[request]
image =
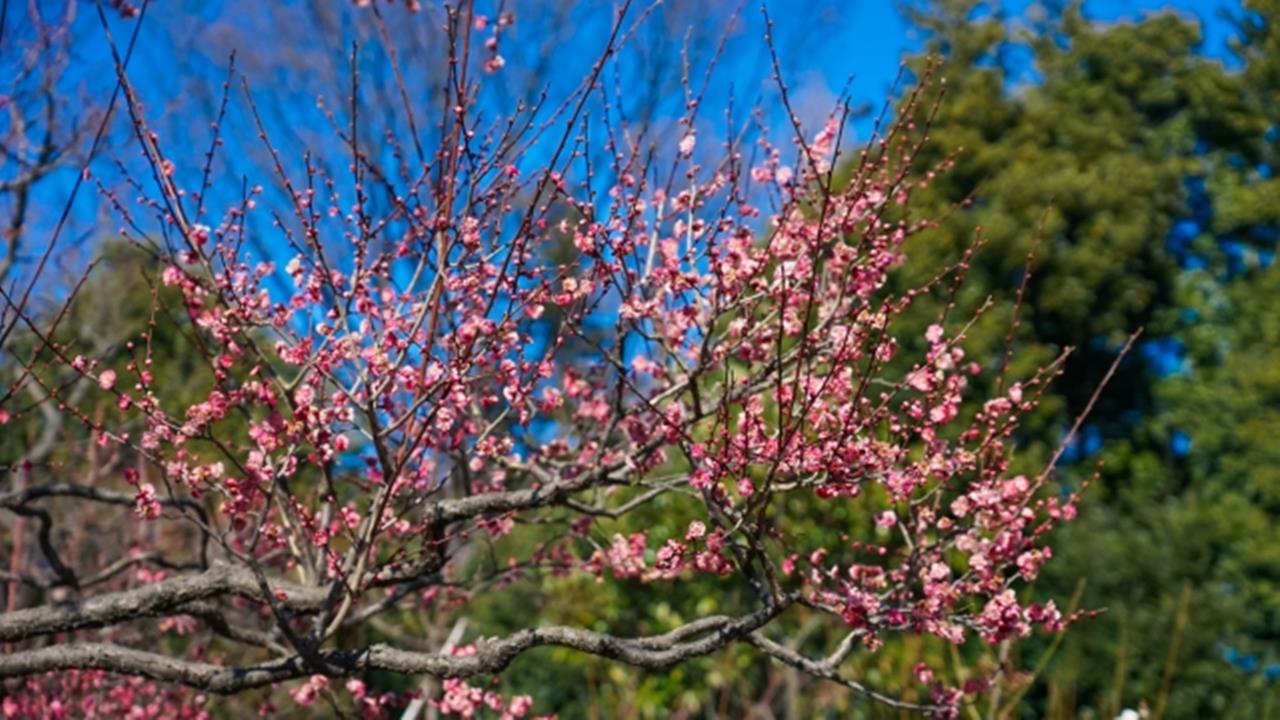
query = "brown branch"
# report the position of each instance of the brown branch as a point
(156, 600)
(491, 656)
(825, 671)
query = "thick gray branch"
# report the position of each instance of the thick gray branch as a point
(155, 600)
(697, 638)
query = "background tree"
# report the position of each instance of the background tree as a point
(1148, 162)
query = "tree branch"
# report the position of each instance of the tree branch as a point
(153, 601)
(491, 656)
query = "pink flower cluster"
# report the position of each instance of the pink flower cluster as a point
(98, 695)
(466, 701)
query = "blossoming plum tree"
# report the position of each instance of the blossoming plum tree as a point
(404, 382)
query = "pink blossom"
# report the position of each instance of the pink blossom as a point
(687, 143)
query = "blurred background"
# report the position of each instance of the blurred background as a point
(1138, 139)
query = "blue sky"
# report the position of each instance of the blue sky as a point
(825, 46)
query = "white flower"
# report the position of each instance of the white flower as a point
(687, 143)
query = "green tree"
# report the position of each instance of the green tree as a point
(1150, 165)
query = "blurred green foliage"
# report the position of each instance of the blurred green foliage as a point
(1147, 166)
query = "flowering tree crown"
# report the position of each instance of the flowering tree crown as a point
(515, 342)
